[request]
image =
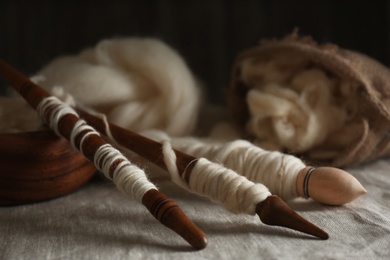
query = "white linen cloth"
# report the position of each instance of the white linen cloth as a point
(98, 222)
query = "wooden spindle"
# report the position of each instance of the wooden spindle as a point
(272, 211)
(162, 208)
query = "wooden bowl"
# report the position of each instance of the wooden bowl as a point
(38, 166)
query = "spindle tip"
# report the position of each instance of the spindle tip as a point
(329, 185)
(169, 214)
(274, 211)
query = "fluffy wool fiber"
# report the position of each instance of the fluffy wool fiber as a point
(139, 83)
(298, 106)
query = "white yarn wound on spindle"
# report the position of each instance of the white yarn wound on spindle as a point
(81, 127)
(235, 192)
(129, 179)
(276, 170)
(57, 110)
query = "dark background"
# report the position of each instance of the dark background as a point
(207, 33)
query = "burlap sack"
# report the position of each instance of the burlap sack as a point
(371, 81)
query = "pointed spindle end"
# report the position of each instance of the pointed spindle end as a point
(169, 214)
(274, 211)
(330, 186)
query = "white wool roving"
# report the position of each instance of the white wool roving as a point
(139, 83)
(298, 120)
(298, 106)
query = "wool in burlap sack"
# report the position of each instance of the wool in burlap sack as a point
(362, 135)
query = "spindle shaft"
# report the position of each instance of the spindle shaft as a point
(272, 211)
(162, 208)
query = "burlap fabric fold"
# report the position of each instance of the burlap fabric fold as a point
(371, 91)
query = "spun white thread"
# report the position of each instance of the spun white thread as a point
(235, 192)
(129, 179)
(170, 162)
(81, 127)
(57, 110)
(276, 170)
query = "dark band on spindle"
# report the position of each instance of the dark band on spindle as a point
(306, 183)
